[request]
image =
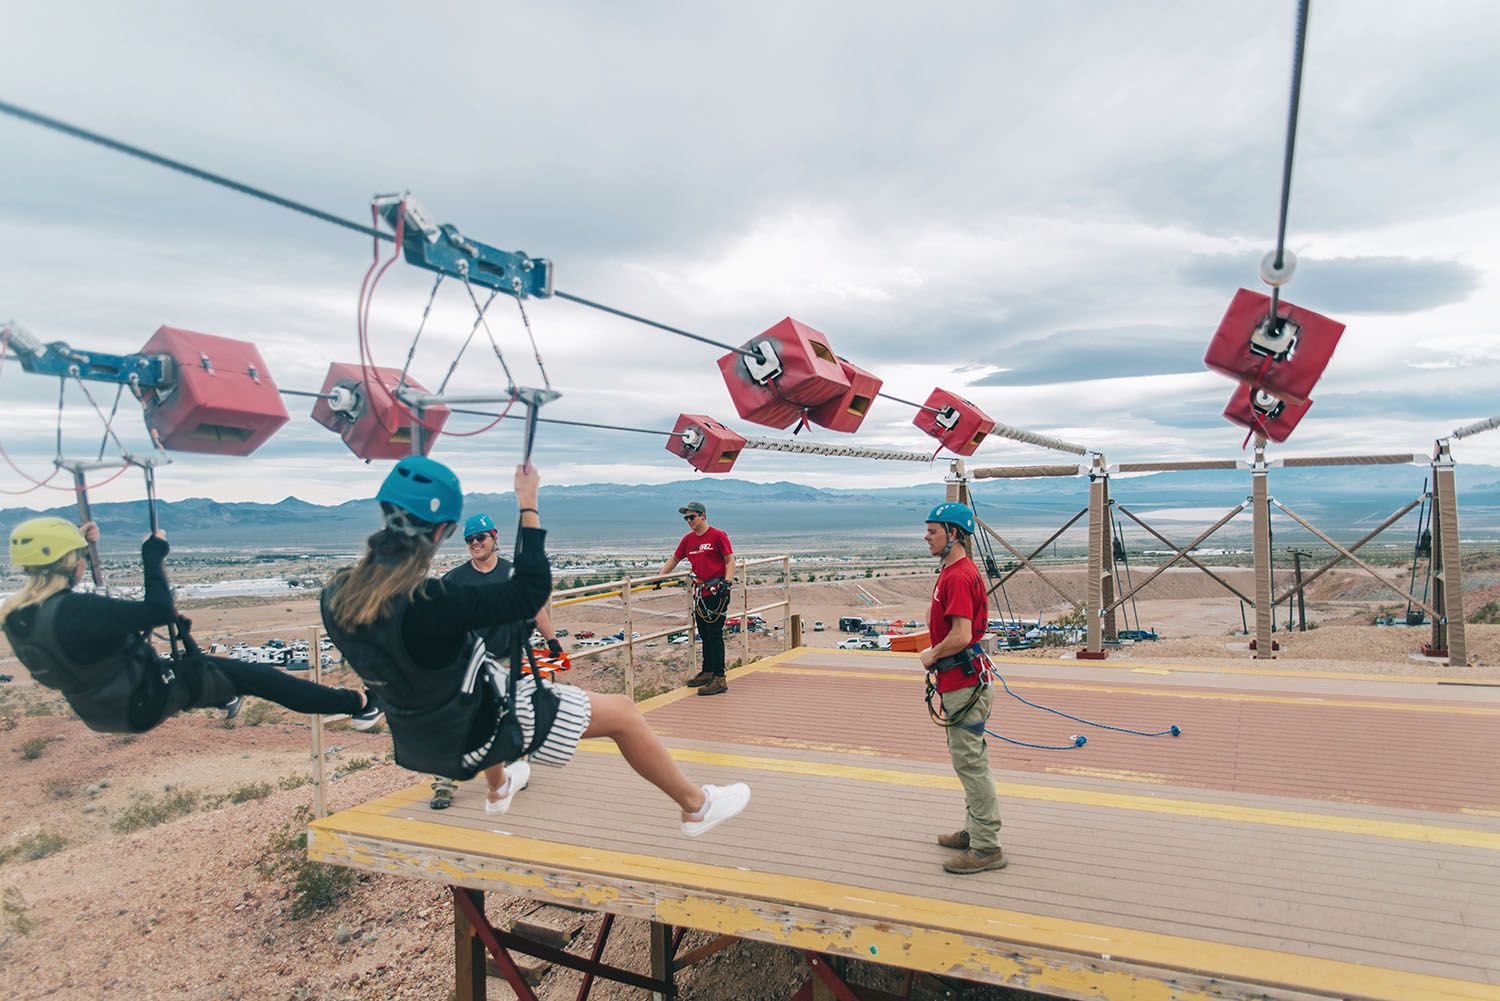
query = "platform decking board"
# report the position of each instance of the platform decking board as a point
(1155, 893)
(1204, 869)
(1424, 759)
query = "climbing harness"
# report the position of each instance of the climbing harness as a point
(711, 599)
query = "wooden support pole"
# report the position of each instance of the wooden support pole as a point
(1447, 569)
(661, 956)
(629, 643)
(1107, 582)
(469, 983)
(786, 610)
(1261, 530)
(1093, 601)
(745, 614)
(796, 631)
(315, 672)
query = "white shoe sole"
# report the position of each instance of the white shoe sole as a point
(519, 770)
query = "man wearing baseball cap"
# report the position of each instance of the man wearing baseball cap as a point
(708, 551)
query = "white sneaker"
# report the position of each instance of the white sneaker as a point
(723, 803)
(517, 777)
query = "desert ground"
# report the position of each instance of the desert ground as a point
(168, 865)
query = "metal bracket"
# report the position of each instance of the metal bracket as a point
(57, 358)
(1266, 405)
(444, 249)
(1275, 337)
(947, 418)
(764, 365)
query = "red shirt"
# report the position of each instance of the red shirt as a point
(705, 552)
(959, 592)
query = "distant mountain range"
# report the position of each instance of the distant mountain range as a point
(1342, 501)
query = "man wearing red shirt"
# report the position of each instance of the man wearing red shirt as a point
(712, 558)
(956, 621)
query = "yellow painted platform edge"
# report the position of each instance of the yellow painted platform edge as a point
(934, 946)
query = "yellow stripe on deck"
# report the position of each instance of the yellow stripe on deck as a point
(901, 929)
(1069, 686)
(1457, 837)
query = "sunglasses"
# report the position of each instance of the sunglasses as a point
(690, 517)
(469, 540)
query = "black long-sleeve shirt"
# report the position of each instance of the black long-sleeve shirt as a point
(92, 626)
(440, 618)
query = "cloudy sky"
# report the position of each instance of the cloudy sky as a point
(1046, 207)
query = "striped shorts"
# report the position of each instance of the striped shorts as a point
(573, 714)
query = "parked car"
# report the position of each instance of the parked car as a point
(852, 643)
(274, 643)
(677, 639)
(818, 626)
(585, 634)
(561, 632)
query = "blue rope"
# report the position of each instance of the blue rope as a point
(1174, 729)
(1077, 742)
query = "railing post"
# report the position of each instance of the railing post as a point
(786, 609)
(745, 615)
(629, 643)
(315, 671)
(1265, 645)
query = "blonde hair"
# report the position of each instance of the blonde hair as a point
(42, 583)
(394, 564)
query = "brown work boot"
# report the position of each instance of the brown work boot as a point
(700, 679)
(716, 685)
(974, 860)
(960, 841)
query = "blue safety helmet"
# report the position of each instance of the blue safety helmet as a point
(955, 514)
(426, 489)
(478, 523)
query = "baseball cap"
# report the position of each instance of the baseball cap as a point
(694, 506)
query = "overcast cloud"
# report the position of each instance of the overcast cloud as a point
(1045, 207)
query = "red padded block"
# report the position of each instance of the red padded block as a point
(807, 375)
(380, 427)
(1291, 378)
(959, 424)
(713, 450)
(1277, 417)
(223, 400)
(846, 412)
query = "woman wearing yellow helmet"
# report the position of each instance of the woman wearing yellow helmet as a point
(94, 649)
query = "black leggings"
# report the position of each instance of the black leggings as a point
(275, 685)
(711, 631)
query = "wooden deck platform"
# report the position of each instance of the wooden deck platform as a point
(1308, 836)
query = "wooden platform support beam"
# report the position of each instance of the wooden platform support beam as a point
(1099, 588)
(1447, 568)
(1261, 533)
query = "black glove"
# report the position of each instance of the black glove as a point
(554, 647)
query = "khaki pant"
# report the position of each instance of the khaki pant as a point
(971, 763)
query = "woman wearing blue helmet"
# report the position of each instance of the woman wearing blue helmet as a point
(452, 709)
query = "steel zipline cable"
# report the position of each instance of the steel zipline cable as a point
(1299, 49)
(57, 125)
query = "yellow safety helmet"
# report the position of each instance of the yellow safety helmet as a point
(40, 542)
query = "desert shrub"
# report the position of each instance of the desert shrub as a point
(315, 885)
(1486, 614)
(249, 791)
(287, 782)
(61, 788)
(14, 907)
(32, 749)
(358, 764)
(149, 811)
(32, 845)
(260, 711)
